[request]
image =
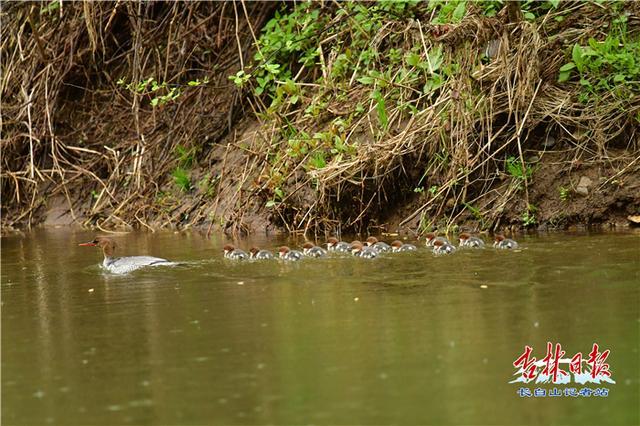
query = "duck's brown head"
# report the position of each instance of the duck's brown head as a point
(332, 241)
(396, 244)
(438, 243)
(228, 248)
(499, 238)
(308, 245)
(371, 241)
(253, 251)
(107, 245)
(430, 236)
(282, 251)
(464, 236)
(356, 247)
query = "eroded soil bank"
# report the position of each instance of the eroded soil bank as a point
(339, 118)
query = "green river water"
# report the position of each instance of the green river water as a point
(403, 339)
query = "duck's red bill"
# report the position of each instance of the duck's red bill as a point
(87, 244)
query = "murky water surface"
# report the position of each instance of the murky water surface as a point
(401, 339)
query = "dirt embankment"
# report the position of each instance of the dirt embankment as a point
(121, 115)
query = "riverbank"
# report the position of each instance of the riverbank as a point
(337, 118)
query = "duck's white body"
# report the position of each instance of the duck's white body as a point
(124, 265)
(505, 244)
(367, 253)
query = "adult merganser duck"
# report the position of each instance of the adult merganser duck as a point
(230, 252)
(432, 238)
(311, 250)
(357, 249)
(441, 247)
(378, 246)
(257, 254)
(467, 240)
(398, 246)
(287, 254)
(504, 243)
(123, 265)
(334, 245)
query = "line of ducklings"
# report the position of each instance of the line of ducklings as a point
(370, 249)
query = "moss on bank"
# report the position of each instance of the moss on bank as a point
(346, 116)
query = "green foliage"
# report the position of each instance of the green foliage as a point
(317, 161)
(380, 108)
(451, 11)
(181, 179)
(278, 196)
(240, 78)
(289, 43)
(158, 93)
(50, 7)
(565, 193)
(286, 42)
(534, 9)
(515, 169)
(608, 66)
(186, 156)
(490, 7)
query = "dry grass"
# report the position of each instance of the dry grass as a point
(69, 128)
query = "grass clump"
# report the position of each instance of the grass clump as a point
(181, 179)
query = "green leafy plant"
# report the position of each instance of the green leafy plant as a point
(490, 7)
(181, 179)
(52, 6)
(158, 93)
(186, 156)
(565, 193)
(278, 196)
(317, 161)
(516, 170)
(380, 108)
(608, 66)
(451, 11)
(240, 78)
(286, 42)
